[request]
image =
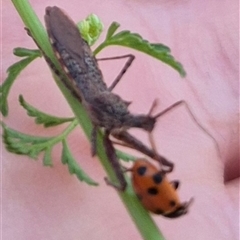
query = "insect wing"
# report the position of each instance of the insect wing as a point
(74, 54)
(65, 35)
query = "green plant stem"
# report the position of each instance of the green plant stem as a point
(140, 216)
(99, 48)
(64, 134)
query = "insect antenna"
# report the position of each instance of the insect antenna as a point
(154, 104)
(182, 102)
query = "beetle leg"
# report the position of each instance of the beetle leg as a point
(175, 184)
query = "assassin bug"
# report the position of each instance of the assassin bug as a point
(105, 108)
(110, 151)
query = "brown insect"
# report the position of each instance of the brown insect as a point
(105, 108)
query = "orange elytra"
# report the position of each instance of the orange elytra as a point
(156, 193)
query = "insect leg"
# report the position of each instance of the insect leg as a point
(94, 141)
(175, 184)
(111, 154)
(125, 68)
(136, 144)
(182, 102)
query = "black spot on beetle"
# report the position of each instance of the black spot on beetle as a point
(157, 178)
(152, 191)
(158, 211)
(141, 170)
(172, 203)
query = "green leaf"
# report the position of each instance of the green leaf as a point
(25, 52)
(20, 143)
(112, 29)
(135, 41)
(13, 72)
(41, 117)
(47, 159)
(161, 47)
(73, 166)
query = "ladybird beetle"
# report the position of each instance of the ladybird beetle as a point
(155, 192)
